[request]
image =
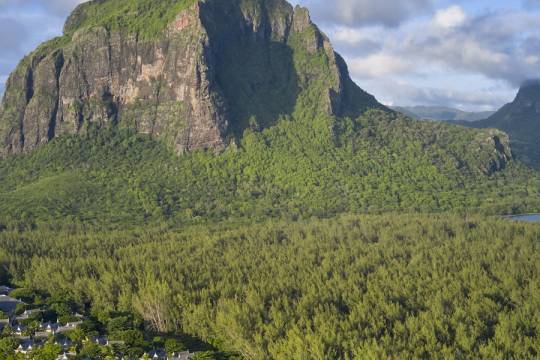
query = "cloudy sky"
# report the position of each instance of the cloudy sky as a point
(470, 54)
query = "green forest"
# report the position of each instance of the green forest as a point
(351, 287)
(380, 162)
(266, 250)
(317, 224)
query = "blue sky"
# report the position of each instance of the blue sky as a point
(467, 54)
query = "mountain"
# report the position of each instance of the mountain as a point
(441, 113)
(204, 176)
(262, 110)
(193, 73)
(521, 120)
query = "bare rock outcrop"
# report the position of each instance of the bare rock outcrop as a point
(212, 68)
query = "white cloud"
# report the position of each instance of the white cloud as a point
(473, 61)
(378, 65)
(451, 17)
(366, 12)
(532, 60)
(410, 92)
(349, 35)
(500, 46)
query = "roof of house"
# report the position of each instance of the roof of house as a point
(184, 355)
(8, 304)
(100, 340)
(27, 345)
(65, 342)
(157, 354)
(41, 334)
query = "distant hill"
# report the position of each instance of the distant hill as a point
(521, 120)
(442, 113)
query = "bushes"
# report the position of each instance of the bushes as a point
(146, 18)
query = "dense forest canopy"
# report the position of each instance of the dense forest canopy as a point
(352, 287)
(380, 162)
(253, 206)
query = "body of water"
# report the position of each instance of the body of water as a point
(527, 218)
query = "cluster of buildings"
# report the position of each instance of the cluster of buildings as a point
(35, 338)
(32, 339)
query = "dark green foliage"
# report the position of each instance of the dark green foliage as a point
(260, 82)
(376, 163)
(7, 346)
(50, 351)
(173, 346)
(143, 17)
(392, 286)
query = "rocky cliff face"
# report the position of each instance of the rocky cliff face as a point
(210, 71)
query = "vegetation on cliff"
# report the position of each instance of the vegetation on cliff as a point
(521, 120)
(379, 162)
(148, 19)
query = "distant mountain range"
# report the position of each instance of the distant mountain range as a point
(520, 119)
(441, 113)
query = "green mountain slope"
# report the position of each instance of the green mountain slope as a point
(201, 165)
(521, 120)
(297, 168)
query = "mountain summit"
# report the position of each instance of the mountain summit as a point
(192, 73)
(521, 120)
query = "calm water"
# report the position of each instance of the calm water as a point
(527, 218)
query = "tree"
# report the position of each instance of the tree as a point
(8, 346)
(154, 304)
(49, 351)
(173, 345)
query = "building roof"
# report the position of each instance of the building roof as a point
(8, 304)
(41, 334)
(184, 355)
(65, 343)
(157, 354)
(100, 340)
(19, 328)
(27, 345)
(5, 290)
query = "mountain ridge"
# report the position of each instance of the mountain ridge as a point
(176, 81)
(442, 113)
(521, 120)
